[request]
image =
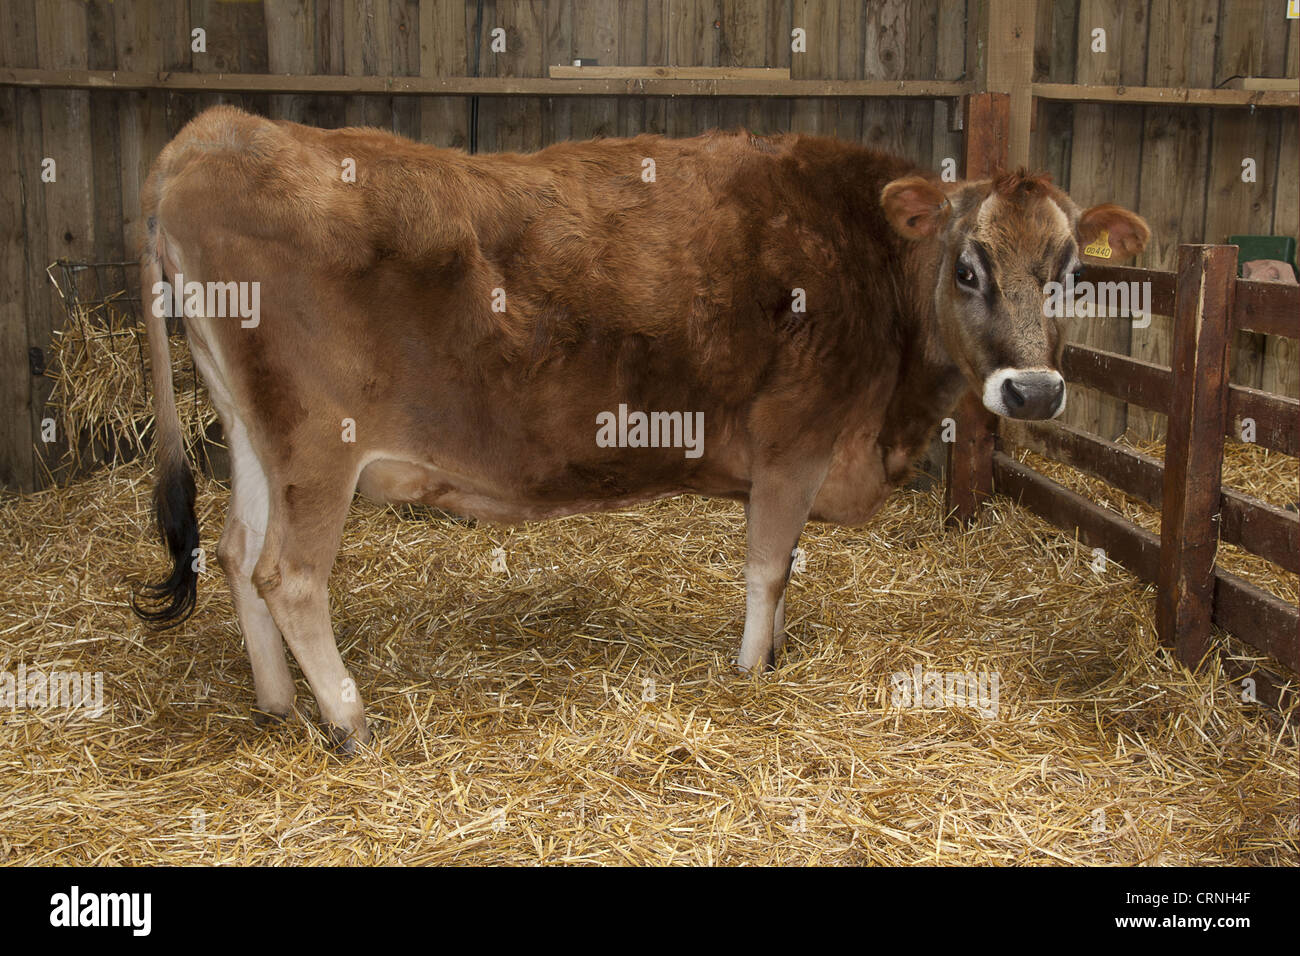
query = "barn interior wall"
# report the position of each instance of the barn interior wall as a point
(1179, 167)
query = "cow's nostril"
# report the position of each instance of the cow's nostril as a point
(1012, 395)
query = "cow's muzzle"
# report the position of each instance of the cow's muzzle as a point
(1025, 393)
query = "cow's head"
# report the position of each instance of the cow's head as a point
(1000, 242)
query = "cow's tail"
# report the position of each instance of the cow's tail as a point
(170, 601)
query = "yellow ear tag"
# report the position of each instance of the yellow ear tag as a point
(1099, 248)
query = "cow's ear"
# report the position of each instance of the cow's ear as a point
(1111, 232)
(915, 206)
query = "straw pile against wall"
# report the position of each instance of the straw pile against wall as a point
(515, 722)
(99, 366)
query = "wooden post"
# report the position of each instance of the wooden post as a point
(970, 457)
(1198, 409)
(1009, 68)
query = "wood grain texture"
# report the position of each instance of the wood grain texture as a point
(1198, 410)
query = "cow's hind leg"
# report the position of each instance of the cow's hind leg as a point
(306, 522)
(779, 503)
(778, 626)
(238, 551)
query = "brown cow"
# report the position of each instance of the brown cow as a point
(515, 337)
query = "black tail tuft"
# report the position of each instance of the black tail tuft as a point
(171, 602)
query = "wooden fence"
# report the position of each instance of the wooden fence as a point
(1209, 305)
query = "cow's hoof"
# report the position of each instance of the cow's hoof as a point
(767, 666)
(347, 743)
(264, 719)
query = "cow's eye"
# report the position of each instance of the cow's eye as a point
(1077, 274)
(966, 275)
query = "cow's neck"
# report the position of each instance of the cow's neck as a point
(929, 382)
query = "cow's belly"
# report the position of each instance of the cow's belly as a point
(394, 481)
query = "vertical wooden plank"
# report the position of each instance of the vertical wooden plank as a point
(146, 41)
(986, 122)
(1175, 162)
(631, 52)
(61, 43)
(236, 43)
(1011, 67)
(780, 15)
(1292, 48)
(850, 64)
(26, 313)
(1189, 529)
(1054, 62)
(404, 37)
(595, 36)
(444, 120)
(884, 122)
(1105, 164)
(106, 158)
(290, 48)
(694, 40)
(514, 123)
(1281, 372)
(819, 21)
(950, 64)
(368, 51)
(658, 26)
(743, 43)
(480, 19)
(557, 113)
(17, 466)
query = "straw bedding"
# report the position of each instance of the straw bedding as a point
(515, 722)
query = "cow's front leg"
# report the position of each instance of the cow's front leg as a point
(777, 511)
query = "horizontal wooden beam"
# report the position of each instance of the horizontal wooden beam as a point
(1123, 541)
(1262, 620)
(476, 85)
(1285, 83)
(1128, 379)
(1270, 308)
(1165, 95)
(669, 73)
(1162, 283)
(1258, 618)
(1260, 528)
(1276, 417)
(1132, 472)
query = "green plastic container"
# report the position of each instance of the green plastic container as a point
(1263, 247)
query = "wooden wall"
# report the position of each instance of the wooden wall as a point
(1175, 165)
(104, 142)
(1179, 167)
